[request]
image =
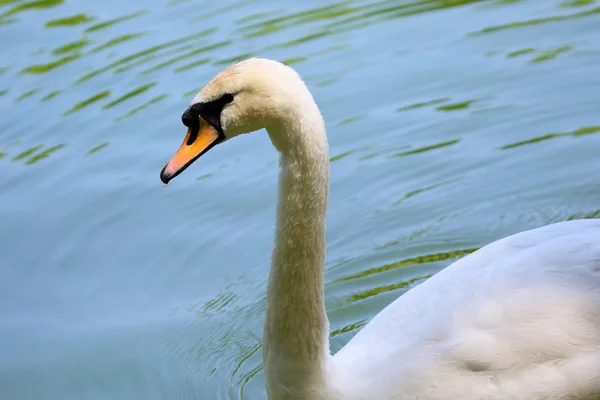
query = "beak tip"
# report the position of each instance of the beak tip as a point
(165, 177)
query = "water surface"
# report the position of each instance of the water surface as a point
(452, 123)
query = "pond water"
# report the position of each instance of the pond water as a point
(452, 123)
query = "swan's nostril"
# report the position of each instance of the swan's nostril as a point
(193, 135)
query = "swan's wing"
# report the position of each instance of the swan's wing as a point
(522, 312)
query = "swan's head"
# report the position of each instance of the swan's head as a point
(245, 97)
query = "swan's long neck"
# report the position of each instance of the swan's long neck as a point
(296, 340)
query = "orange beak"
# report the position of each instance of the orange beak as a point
(193, 146)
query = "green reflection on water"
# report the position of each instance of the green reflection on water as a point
(534, 140)
(45, 154)
(245, 356)
(352, 119)
(51, 95)
(348, 328)
(426, 148)
(27, 152)
(410, 261)
(214, 305)
(577, 3)
(590, 215)
(247, 377)
(70, 21)
(87, 102)
(550, 54)
(341, 155)
(217, 304)
(521, 52)
(294, 60)
(538, 21)
(3, 92)
(421, 190)
(27, 94)
(31, 5)
(347, 153)
(69, 47)
(578, 132)
(386, 288)
(112, 22)
(424, 104)
(43, 68)
(130, 94)
(586, 130)
(97, 148)
(455, 106)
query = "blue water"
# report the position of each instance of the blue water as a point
(452, 123)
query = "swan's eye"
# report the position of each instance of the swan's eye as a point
(227, 98)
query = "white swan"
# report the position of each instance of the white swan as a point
(517, 319)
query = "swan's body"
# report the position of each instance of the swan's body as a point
(517, 319)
